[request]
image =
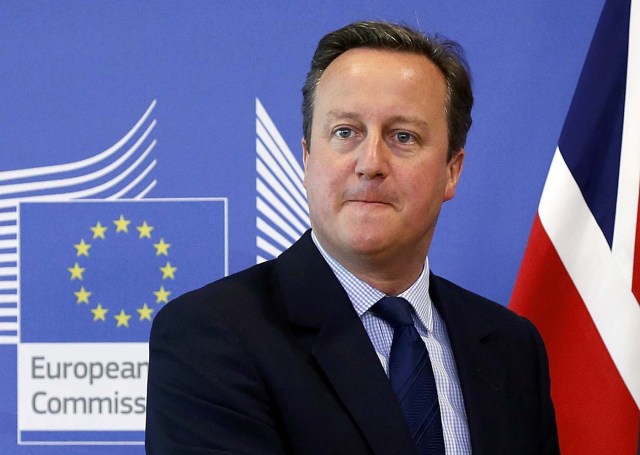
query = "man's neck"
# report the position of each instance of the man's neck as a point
(391, 274)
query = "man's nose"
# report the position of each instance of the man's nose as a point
(373, 154)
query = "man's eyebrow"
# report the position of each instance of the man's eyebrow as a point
(417, 121)
(335, 114)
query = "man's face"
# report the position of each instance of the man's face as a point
(376, 170)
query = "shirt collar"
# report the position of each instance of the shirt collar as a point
(363, 296)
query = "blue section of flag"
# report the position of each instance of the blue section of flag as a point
(124, 272)
(592, 134)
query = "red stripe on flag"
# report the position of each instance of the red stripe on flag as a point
(594, 409)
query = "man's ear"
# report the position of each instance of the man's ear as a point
(305, 157)
(454, 169)
(305, 152)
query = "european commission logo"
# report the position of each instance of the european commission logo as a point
(86, 261)
(93, 274)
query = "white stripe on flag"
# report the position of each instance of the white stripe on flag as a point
(585, 254)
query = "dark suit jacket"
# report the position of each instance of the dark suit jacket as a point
(274, 359)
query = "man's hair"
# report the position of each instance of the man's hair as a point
(445, 54)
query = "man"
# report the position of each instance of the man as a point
(300, 354)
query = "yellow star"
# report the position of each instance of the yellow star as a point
(98, 230)
(162, 295)
(122, 225)
(82, 295)
(145, 230)
(82, 248)
(76, 271)
(145, 312)
(99, 313)
(168, 271)
(123, 319)
(162, 248)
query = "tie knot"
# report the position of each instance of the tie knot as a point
(394, 310)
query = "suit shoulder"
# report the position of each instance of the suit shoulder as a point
(450, 293)
(472, 315)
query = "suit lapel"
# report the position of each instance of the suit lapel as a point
(478, 364)
(314, 298)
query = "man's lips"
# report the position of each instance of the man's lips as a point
(369, 198)
(368, 202)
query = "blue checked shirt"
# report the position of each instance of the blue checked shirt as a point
(434, 333)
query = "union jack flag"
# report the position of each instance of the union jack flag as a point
(580, 277)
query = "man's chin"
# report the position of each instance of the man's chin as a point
(368, 244)
(360, 241)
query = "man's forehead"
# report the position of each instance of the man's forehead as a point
(390, 55)
(365, 78)
(361, 64)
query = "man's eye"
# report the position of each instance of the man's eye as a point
(405, 137)
(343, 133)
